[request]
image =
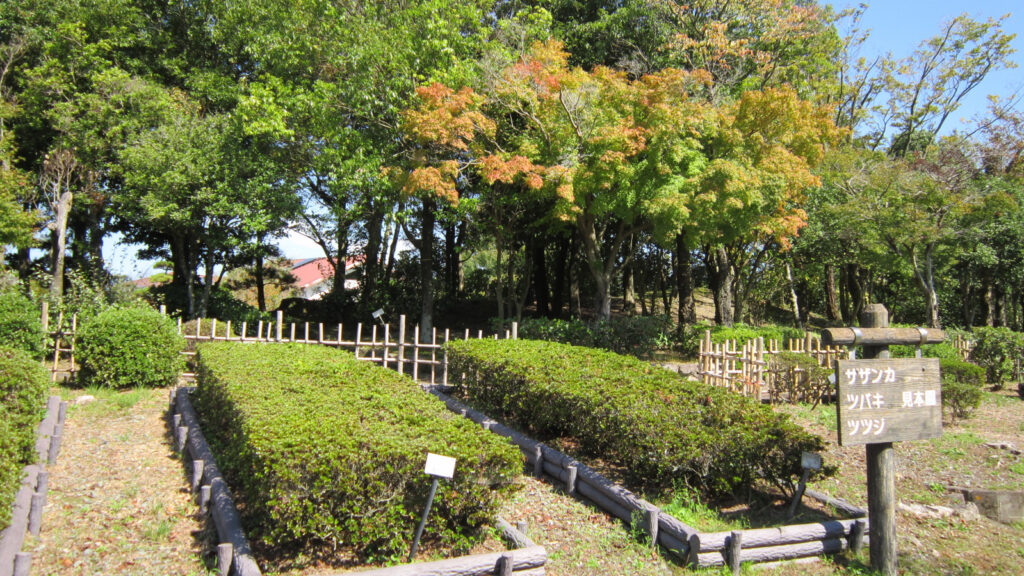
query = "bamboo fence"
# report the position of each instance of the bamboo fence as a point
(425, 359)
(749, 370)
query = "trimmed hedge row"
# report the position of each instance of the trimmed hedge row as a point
(662, 429)
(23, 387)
(326, 451)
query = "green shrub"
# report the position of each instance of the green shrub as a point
(324, 449)
(691, 336)
(942, 351)
(639, 336)
(23, 386)
(999, 351)
(125, 347)
(661, 429)
(10, 465)
(20, 324)
(961, 386)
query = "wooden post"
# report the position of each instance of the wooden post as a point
(197, 474)
(305, 339)
(225, 552)
(734, 545)
(881, 469)
(320, 339)
(35, 514)
(651, 522)
(515, 330)
(857, 536)
(213, 330)
(259, 331)
(291, 335)
(503, 567)
(227, 332)
(359, 334)
(45, 318)
(401, 345)
(538, 461)
(245, 328)
(415, 352)
(387, 340)
(280, 324)
(444, 371)
(22, 564)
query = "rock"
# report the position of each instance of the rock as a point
(969, 512)
(925, 510)
(1000, 505)
(84, 399)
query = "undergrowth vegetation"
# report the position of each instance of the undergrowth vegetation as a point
(662, 430)
(327, 452)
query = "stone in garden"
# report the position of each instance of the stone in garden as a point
(84, 399)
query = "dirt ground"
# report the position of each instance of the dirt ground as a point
(118, 501)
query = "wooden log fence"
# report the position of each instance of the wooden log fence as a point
(749, 370)
(235, 556)
(699, 549)
(30, 500)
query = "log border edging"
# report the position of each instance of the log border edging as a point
(30, 500)
(213, 494)
(700, 549)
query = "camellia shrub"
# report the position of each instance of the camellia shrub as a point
(999, 351)
(691, 336)
(638, 336)
(126, 347)
(661, 429)
(20, 323)
(961, 386)
(326, 450)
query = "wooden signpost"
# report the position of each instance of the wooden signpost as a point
(880, 401)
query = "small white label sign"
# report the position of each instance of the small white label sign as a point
(810, 461)
(440, 466)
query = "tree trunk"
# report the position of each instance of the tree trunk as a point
(721, 278)
(427, 219)
(855, 285)
(540, 279)
(628, 294)
(261, 297)
(795, 301)
(832, 312)
(371, 258)
(61, 210)
(559, 283)
(684, 281)
(451, 259)
(389, 269)
(204, 304)
(499, 276)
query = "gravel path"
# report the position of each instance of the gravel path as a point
(118, 501)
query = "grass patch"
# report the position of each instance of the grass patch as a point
(955, 445)
(687, 506)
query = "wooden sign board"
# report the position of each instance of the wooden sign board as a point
(889, 400)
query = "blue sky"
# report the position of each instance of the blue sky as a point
(897, 26)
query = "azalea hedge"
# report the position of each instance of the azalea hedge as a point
(23, 387)
(325, 451)
(663, 430)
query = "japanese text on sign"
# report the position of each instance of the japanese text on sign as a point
(887, 400)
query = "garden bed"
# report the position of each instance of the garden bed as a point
(387, 425)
